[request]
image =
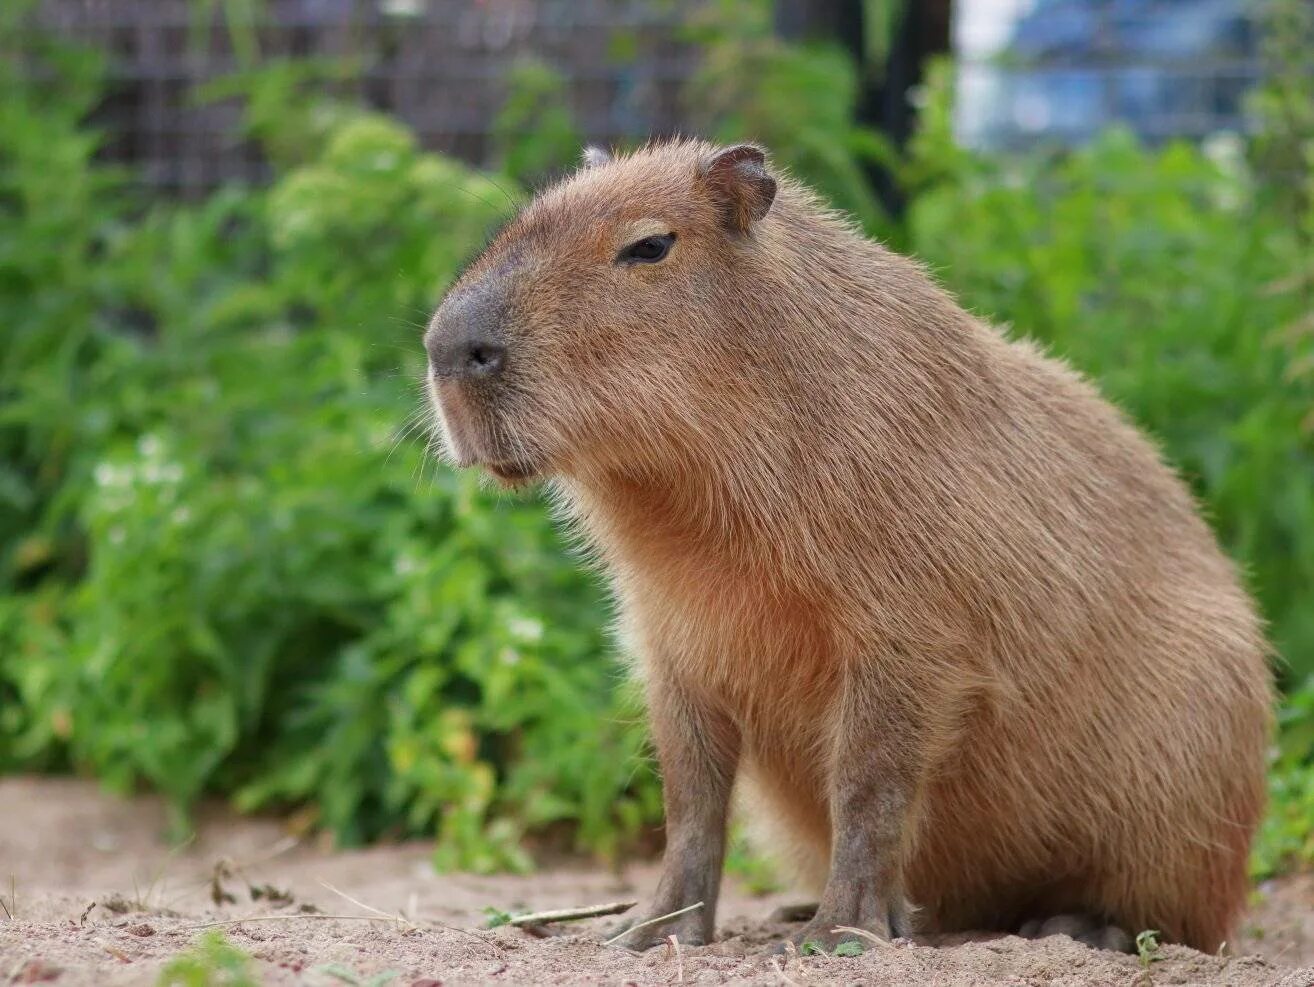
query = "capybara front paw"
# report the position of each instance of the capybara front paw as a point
(691, 929)
(825, 938)
(825, 932)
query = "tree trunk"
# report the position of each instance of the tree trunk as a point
(921, 31)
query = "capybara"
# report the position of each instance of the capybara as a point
(943, 612)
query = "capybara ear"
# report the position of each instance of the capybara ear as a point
(738, 179)
(594, 157)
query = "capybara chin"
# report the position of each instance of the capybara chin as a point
(942, 610)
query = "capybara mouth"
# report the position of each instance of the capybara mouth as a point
(474, 439)
(512, 472)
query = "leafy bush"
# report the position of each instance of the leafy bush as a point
(224, 570)
(1286, 839)
(535, 134)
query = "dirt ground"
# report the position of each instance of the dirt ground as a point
(64, 845)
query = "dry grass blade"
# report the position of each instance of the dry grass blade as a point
(784, 979)
(477, 936)
(572, 914)
(390, 916)
(674, 941)
(652, 921)
(238, 867)
(863, 934)
(310, 916)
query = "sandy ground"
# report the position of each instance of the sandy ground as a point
(65, 846)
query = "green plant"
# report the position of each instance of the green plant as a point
(1283, 152)
(1147, 953)
(753, 870)
(849, 947)
(1286, 838)
(797, 99)
(223, 568)
(534, 133)
(289, 106)
(212, 961)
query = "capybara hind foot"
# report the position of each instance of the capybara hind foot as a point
(1083, 928)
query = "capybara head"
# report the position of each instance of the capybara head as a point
(599, 323)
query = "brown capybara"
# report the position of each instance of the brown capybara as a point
(945, 612)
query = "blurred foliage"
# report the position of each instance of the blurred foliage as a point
(1283, 152)
(534, 134)
(797, 100)
(267, 90)
(224, 566)
(1286, 839)
(223, 570)
(1283, 156)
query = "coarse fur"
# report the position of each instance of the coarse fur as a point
(895, 571)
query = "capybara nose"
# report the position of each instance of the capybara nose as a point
(465, 338)
(473, 359)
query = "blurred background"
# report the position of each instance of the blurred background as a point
(228, 564)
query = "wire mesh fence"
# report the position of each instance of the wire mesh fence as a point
(439, 65)
(1028, 71)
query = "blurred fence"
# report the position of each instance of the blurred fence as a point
(1028, 70)
(439, 65)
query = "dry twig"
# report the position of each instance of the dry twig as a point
(572, 914)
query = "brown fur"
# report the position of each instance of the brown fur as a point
(943, 605)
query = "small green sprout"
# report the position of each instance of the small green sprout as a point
(212, 961)
(1147, 947)
(850, 947)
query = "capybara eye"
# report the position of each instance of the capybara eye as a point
(649, 250)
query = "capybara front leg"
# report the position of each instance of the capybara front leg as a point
(698, 749)
(875, 768)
